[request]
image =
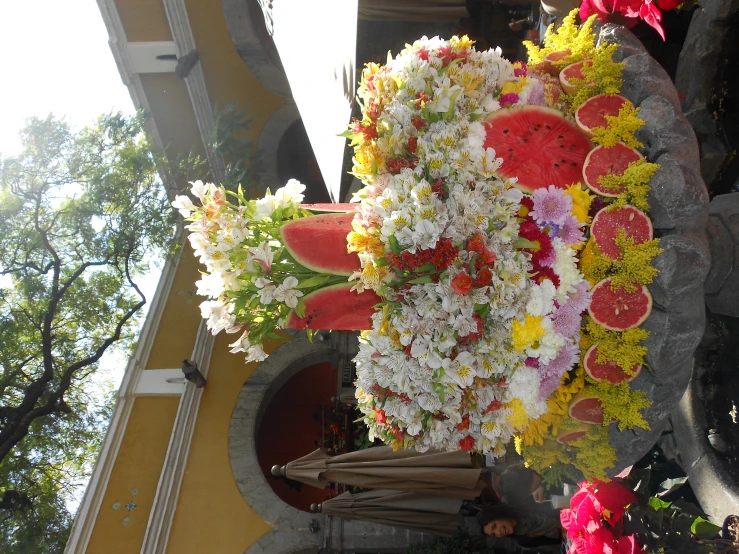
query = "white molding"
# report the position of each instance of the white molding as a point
(84, 521)
(179, 23)
(144, 56)
(160, 382)
(168, 490)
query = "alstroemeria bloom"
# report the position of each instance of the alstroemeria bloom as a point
(263, 255)
(286, 292)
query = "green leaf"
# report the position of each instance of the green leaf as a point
(421, 280)
(682, 524)
(704, 529)
(394, 244)
(426, 268)
(315, 281)
(657, 503)
(521, 242)
(688, 507)
(381, 262)
(666, 487)
(300, 308)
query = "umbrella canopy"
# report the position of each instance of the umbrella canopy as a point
(380, 467)
(427, 513)
(317, 45)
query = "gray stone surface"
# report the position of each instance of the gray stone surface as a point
(697, 68)
(683, 266)
(674, 334)
(716, 491)
(666, 130)
(723, 280)
(628, 44)
(678, 197)
(644, 77)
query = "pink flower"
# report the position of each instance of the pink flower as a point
(571, 232)
(551, 205)
(551, 374)
(566, 321)
(508, 99)
(580, 299)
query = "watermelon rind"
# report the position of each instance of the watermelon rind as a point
(538, 145)
(336, 307)
(319, 243)
(586, 408)
(620, 156)
(606, 224)
(617, 309)
(615, 374)
(610, 104)
(328, 207)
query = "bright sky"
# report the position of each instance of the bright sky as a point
(56, 59)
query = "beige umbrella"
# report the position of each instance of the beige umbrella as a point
(427, 513)
(380, 467)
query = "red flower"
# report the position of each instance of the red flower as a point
(421, 100)
(412, 145)
(527, 204)
(465, 423)
(418, 122)
(380, 416)
(373, 110)
(543, 248)
(438, 187)
(494, 405)
(444, 254)
(399, 435)
(423, 53)
(542, 273)
(467, 443)
(484, 277)
(462, 283)
(395, 165)
(476, 244)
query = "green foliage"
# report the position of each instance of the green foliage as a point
(457, 544)
(82, 214)
(230, 140)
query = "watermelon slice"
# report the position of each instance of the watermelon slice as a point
(319, 243)
(606, 225)
(573, 435)
(613, 160)
(336, 307)
(609, 371)
(572, 71)
(330, 207)
(586, 408)
(592, 113)
(538, 146)
(616, 308)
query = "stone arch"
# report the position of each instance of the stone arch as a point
(253, 41)
(290, 532)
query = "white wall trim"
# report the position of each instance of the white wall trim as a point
(160, 382)
(84, 521)
(144, 56)
(168, 490)
(179, 24)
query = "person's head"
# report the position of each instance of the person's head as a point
(498, 520)
(517, 482)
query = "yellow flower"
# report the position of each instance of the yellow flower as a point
(620, 128)
(362, 242)
(581, 200)
(513, 86)
(518, 417)
(460, 44)
(528, 332)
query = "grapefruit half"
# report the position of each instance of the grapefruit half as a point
(573, 435)
(617, 309)
(592, 113)
(586, 408)
(613, 160)
(606, 224)
(609, 371)
(572, 71)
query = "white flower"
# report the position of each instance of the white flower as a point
(460, 370)
(286, 292)
(184, 205)
(218, 314)
(265, 207)
(262, 255)
(242, 344)
(255, 354)
(211, 284)
(202, 190)
(291, 193)
(267, 290)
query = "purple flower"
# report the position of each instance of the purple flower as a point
(571, 232)
(551, 205)
(551, 374)
(566, 321)
(532, 362)
(580, 299)
(536, 94)
(508, 99)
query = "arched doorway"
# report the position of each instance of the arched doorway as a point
(295, 422)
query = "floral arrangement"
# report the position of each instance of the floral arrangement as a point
(483, 296)
(252, 281)
(620, 516)
(592, 454)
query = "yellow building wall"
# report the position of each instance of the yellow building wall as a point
(211, 515)
(121, 522)
(144, 20)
